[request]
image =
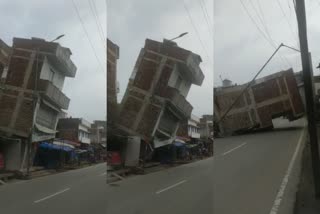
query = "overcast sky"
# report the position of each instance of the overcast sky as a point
(129, 23)
(240, 49)
(48, 19)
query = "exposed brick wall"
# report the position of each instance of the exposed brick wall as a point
(267, 112)
(162, 84)
(24, 119)
(7, 104)
(183, 128)
(242, 119)
(294, 93)
(145, 74)
(224, 101)
(20, 58)
(266, 90)
(112, 57)
(129, 112)
(172, 51)
(149, 120)
(68, 128)
(146, 68)
(68, 134)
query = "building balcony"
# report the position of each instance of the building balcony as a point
(192, 69)
(53, 94)
(85, 140)
(194, 135)
(61, 60)
(178, 101)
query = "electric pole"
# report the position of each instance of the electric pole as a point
(309, 93)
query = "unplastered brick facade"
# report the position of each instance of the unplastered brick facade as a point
(27, 93)
(155, 100)
(112, 57)
(269, 97)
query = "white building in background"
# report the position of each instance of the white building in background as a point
(84, 131)
(193, 127)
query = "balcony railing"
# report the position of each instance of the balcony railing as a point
(53, 93)
(178, 101)
(61, 60)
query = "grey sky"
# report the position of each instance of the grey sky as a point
(240, 49)
(131, 22)
(48, 19)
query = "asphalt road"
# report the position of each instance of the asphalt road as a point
(244, 177)
(73, 192)
(251, 173)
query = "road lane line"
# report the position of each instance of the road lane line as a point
(231, 150)
(50, 196)
(103, 174)
(170, 187)
(278, 199)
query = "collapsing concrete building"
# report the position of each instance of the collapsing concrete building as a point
(267, 98)
(155, 99)
(31, 97)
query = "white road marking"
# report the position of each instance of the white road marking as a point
(116, 175)
(231, 150)
(169, 187)
(103, 174)
(20, 182)
(278, 199)
(50, 196)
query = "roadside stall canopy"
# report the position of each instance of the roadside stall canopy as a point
(80, 151)
(75, 144)
(185, 139)
(59, 143)
(179, 143)
(50, 146)
(191, 145)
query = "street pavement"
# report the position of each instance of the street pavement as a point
(251, 173)
(244, 176)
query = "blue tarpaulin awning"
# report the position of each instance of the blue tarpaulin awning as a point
(55, 147)
(178, 144)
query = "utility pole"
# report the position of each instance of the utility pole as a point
(309, 93)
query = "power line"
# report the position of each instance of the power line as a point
(87, 34)
(198, 35)
(95, 17)
(256, 25)
(206, 17)
(287, 20)
(96, 11)
(269, 40)
(263, 21)
(205, 8)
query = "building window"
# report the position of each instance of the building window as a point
(3, 71)
(51, 75)
(178, 82)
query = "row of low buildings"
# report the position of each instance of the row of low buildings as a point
(154, 107)
(33, 105)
